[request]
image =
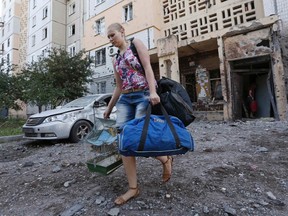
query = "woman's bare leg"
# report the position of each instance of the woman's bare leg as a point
(167, 167)
(131, 174)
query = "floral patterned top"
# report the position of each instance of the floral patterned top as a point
(130, 71)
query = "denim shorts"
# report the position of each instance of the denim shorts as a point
(130, 106)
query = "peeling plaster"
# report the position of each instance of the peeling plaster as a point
(202, 85)
(249, 45)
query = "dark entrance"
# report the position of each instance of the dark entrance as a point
(254, 74)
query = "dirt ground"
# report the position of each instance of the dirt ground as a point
(237, 168)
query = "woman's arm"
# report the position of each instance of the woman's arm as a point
(145, 60)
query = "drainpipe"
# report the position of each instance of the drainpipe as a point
(275, 6)
(148, 34)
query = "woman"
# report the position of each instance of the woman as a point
(251, 102)
(134, 90)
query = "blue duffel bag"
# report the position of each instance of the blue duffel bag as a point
(155, 135)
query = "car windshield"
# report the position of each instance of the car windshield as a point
(81, 102)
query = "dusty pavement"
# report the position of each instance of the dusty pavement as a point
(237, 168)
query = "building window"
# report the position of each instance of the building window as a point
(3, 32)
(8, 59)
(45, 12)
(100, 57)
(128, 12)
(33, 21)
(103, 87)
(34, 3)
(9, 12)
(100, 26)
(72, 50)
(33, 40)
(44, 33)
(72, 9)
(99, 1)
(44, 52)
(8, 42)
(72, 30)
(215, 82)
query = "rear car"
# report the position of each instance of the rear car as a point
(72, 121)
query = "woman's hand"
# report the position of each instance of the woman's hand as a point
(107, 113)
(154, 98)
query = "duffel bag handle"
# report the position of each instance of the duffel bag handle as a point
(146, 125)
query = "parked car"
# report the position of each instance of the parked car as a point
(72, 121)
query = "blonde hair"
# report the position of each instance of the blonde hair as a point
(116, 26)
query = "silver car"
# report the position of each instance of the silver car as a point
(72, 121)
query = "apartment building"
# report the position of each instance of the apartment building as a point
(10, 19)
(74, 25)
(10, 32)
(46, 27)
(137, 23)
(215, 48)
(228, 45)
(209, 46)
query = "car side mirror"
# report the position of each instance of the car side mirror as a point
(98, 104)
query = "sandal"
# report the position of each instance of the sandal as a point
(121, 199)
(166, 173)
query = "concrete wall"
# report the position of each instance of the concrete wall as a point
(252, 44)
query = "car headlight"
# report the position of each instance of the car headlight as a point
(61, 117)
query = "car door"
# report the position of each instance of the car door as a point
(101, 105)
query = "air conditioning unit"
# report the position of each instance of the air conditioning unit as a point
(112, 51)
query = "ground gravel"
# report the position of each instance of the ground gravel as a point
(237, 168)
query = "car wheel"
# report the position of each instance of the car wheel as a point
(79, 131)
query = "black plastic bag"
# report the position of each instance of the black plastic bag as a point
(175, 100)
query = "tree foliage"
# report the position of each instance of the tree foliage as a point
(56, 78)
(10, 88)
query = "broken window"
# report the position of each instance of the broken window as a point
(215, 83)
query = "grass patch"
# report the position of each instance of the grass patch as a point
(10, 127)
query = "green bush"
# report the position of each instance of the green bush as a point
(9, 127)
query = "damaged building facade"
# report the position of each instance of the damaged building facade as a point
(217, 49)
(223, 48)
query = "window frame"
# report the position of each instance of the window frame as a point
(33, 21)
(72, 30)
(33, 40)
(8, 58)
(72, 9)
(100, 26)
(215, 80)
(103, 87)
(100, 57)
(44, 33)
(72, 50)
(128, 12)
(45, 13)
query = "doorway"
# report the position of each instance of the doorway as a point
(252, 76)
